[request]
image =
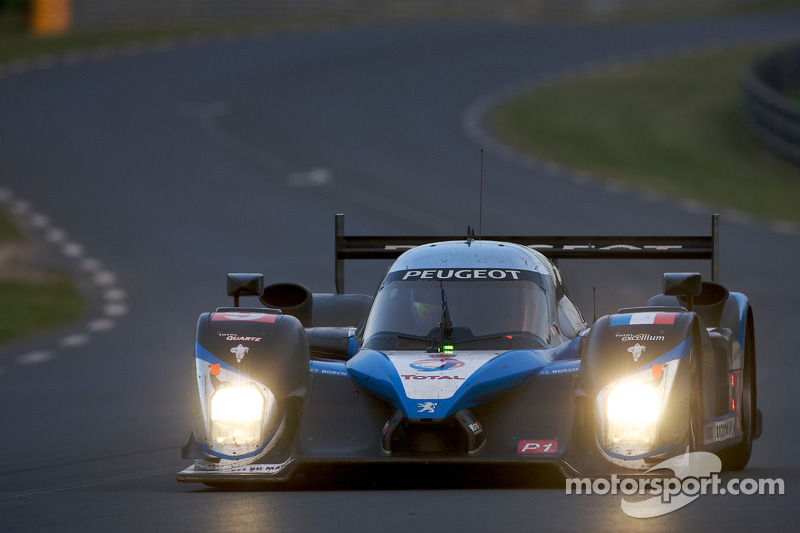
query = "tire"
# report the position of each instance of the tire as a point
(737, 457)
(696, 405)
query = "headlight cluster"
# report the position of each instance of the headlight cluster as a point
(632, 411)
(237, 415)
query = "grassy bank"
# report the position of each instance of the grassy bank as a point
(32, 299)
(29, 306)
(673, 125)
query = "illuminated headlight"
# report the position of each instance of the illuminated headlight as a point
(632, 414)
(237, 415)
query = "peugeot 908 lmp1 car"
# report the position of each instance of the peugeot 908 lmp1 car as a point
(471, 352)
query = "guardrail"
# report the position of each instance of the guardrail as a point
(771, 117)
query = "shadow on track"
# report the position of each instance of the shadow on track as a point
(405, 477)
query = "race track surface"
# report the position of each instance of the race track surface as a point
(153, 171)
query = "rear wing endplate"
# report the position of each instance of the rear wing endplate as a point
(705, 247)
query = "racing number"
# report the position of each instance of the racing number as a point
(537, 446)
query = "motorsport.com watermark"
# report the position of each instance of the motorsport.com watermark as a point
(696, 474)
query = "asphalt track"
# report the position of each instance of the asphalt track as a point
(151, 171)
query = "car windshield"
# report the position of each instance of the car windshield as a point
(498, 312)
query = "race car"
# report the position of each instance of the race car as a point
(472, 352)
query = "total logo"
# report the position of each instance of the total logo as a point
(431, 365)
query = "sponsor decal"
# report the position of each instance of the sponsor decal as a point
(632, 337)
(327, 368)
(239, 352)
(416, 376)
(461, 273)
(720, 430)
(637, 351)
(464, 274)
(560, 367)
(551, 371)
(634, 319)
(256, 468)
(476, 428)
(245, 317)
(537, 446)
(428, 365)
(214, 369)
(327, 371)
(437, 376)
(245, 339)
(426, 407)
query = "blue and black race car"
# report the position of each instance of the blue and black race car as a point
(471, 352)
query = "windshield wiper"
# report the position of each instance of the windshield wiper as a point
(445, 326)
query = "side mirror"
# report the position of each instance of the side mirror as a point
(683, 284)
(244, 285)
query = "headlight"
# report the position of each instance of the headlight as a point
(632, 411)
(237, 415)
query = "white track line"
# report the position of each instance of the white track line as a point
(115, 298)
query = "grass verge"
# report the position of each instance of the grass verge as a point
(32, 300)
(673, 125)
(31, 306)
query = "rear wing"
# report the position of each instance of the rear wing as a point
(578, 247)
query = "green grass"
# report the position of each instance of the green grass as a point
(794, 94)
(9, 232)
(29, 307)
(673, 125)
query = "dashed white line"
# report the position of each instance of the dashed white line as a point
(72, 249)
(115, 310)
(694, 207)
(104, 278)
(115, 298)
(115, 294)
(784, 228)
(20, 207)
(101, 324)
(313, 178)
(55, 235)
(35, 358)
(90, 265)
(71, 341)
(39, 221)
